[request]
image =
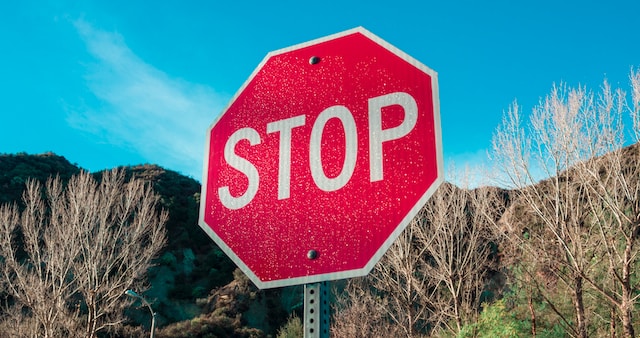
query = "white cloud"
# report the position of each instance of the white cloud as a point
(162, 118)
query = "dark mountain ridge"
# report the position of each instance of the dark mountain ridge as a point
(188, 271)
(197, 291)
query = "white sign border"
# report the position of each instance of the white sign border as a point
(405, 221)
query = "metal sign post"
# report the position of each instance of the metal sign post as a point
(322, 138)
(316, 310)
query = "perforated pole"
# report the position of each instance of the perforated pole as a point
(316, 310)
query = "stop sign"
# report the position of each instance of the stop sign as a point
(321, 159)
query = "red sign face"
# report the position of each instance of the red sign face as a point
(322, 159)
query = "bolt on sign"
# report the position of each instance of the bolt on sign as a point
(321, 159)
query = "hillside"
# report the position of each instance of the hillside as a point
(16, 169)
(542, 249)
(189, 271)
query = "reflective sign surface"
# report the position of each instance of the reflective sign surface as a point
(321, 159)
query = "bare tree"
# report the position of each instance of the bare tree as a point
(432, 276)
(458, 238)
(616, 211)
(71, 253)
(569, 133)
(400, 277)
(361, 312)
(555, 142)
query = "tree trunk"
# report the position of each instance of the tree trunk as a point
(627, 324)
(90, 320)
(627, 303)
(579, 305)
(457, 304)
(612, 323)
(533, 316)
(626, 311)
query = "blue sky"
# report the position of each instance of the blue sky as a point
(109, 83)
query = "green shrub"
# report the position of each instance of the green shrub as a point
(495, 321)
(292, 329)
(169, 259)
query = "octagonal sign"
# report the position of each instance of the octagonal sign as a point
(321, 159)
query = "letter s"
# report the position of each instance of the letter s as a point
(242, 165)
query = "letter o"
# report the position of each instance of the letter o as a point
(351, 148)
